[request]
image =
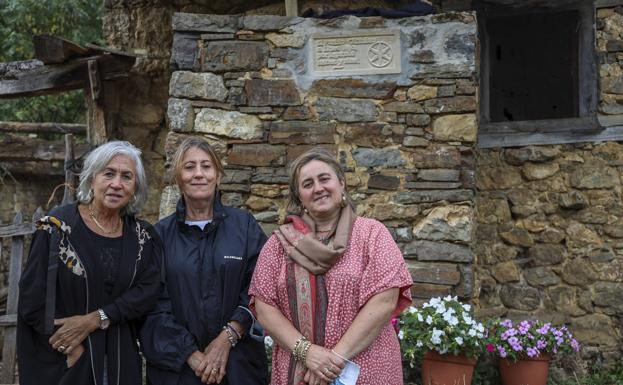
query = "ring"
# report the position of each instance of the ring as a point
(215, 370)
(62, 348)
(327, 370)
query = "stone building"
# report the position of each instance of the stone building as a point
(487, 137)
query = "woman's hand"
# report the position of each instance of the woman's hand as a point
(73, 330)
(216, 356)
(311, 379)
(75, 355)
(197, 362)
(323, 365)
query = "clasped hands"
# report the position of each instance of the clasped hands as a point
(210, 365)
(72, 331)
(323, 366)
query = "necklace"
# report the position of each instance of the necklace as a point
(94, 217)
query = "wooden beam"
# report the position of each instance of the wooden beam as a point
(48, 80)
(16, 148)
(54, 49)
(292, 7)
(63, 77)
(94, 80)
(70, 176)
(30, 168)
(43, 128)
(607, 3)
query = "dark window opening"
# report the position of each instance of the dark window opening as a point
(533, 64)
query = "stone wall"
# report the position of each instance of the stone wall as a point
(406, 140)
(550, 223)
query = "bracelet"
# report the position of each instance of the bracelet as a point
(233, 329)
(304, 352)
(231, 337)
(300, 349)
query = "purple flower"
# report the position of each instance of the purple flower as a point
(532, 352)
(541, 344)
(502, 351)
(575, 345)
(507, 323)
(544, 329)
(524, 327)
(515, 344)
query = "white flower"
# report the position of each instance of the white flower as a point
(268, 341)
(468, 319)
(480, 328)
(420, 318)
(429, 320)
(466, 307)
(412, 310)
(471, 332)
(453, 321)
(459, 340)
(436, 337)
(401, 334)
(419, 344)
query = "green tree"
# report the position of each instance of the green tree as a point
(77, 20)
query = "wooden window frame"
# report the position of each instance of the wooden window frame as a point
(584, 128)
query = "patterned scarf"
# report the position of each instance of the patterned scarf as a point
(305, 281)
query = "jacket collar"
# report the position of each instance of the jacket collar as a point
(219, 212)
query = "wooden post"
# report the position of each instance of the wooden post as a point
(96, 118)
(10, 332)
(292, 8)
(70, 177)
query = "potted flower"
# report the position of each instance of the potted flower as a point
(452, 339)
(525, 349)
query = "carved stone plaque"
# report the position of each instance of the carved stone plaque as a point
(357, 53)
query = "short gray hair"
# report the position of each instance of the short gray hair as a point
(97, 160)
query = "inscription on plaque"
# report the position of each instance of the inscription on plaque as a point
(358, 53)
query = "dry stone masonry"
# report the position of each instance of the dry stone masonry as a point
(395, 100)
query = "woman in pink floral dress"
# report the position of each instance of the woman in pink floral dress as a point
(327, 284)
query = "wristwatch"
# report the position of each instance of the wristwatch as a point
(104, 320)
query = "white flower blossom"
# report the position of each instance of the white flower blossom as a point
(466, 307)
(268, 341)
(412, 310)
(429, 320)
(471, 332)
(459, 340)
(419, 344)
(436, 337)
(401, 335)
(420, 318)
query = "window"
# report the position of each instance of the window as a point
(539, 80)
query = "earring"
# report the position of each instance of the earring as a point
(90, 195)
(343, 202)
(305, 210)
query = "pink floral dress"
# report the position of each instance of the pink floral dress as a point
(371, 264)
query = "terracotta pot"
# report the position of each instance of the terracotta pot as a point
(525, 371)
(447, 369)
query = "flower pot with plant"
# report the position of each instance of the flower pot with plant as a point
(525, 349)
(452, 339)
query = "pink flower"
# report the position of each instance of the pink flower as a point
(395, 325)
(490, 348)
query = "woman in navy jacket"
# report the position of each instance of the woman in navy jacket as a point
(200, 329)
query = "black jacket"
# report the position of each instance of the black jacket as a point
(80, 290)
(206, 282)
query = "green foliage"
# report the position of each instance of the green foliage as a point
(76, 20)
(442, 324)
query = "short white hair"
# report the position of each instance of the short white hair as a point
(99, 158)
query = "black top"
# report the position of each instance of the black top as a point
(80, 289)
(208, 273)
(109, 250)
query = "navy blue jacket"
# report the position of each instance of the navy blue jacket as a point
(205, 285)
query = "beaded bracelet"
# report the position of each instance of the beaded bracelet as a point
(231, 337)
(233, 329)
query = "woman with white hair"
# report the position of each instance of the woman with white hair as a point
(92, 273)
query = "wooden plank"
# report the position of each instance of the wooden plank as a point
(20, 148)
(63, 77)
(16, 230)
(292, 7)
(70, 176)
(94, 80)
(43, 128)
(10, 333)
(96, 120)
(48, 80)
(607, 3)
(54, 49)
(34, 168)
(8, 320)
(518, 139)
